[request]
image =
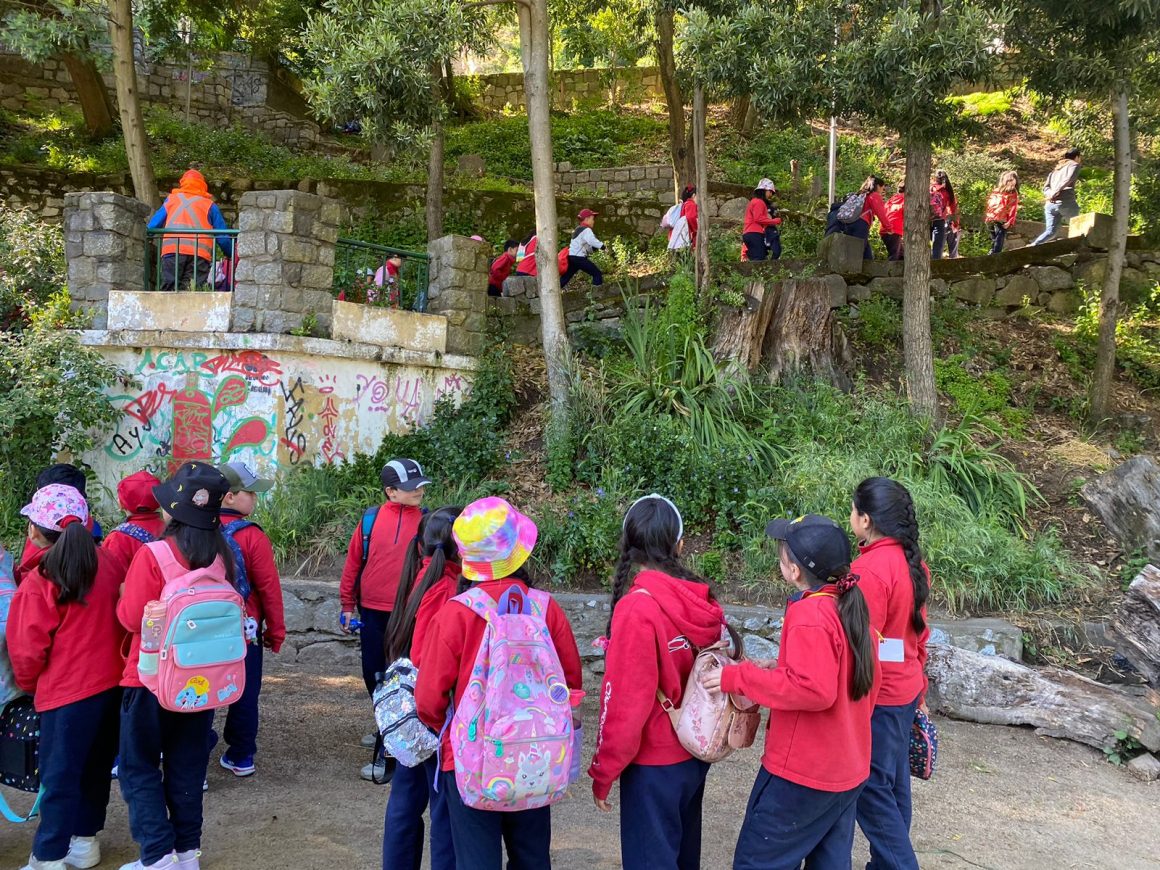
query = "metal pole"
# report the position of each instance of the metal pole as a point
(189, 68)
(833, 177)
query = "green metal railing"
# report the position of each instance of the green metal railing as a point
(172, 264)
(363, 272)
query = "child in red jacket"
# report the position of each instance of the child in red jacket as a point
(370, 577)
(896, 583)
(661, 615)
(820, 695)
(494, 540)
(143, 523)
(68, 475)
(891, 227)
(164, 755)
(501, 268)
(429, 580)
(257, 575)
(65, 646)
(757, 220)
(1002, 210)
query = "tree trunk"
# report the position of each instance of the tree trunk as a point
(740, 332)
(1101, 390)
(674, 99)
(739, 112)
(1057, 703)
(440, 90)
(534, 46)
(132, 123)
(701, 161)
(92, 94)
(1137, 624)
(918, 350)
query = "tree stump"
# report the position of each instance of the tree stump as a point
(1057, 703)
(1137, 624)
(741, 331)
(1127, 499)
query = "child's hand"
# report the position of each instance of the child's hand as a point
(345, 621)
(603, 805)
(712, 681)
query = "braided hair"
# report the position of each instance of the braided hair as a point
(432, 541)
(650, 538)
(891, 510)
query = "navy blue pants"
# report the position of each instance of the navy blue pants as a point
(660, 815)
(163, 794)
(78, 743)
(938, 238)
(372, 641)
(582, 264)
(412, 790)
(786, 824)
(241, 731)
(884, 806)
(480, 836)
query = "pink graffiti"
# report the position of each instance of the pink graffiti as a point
(327, 384)
(374, 389)
(409, 395)
(329, 415)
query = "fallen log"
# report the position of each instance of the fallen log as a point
(1057, 703)
(1136, 624)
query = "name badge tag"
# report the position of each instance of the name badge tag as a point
(891, 649)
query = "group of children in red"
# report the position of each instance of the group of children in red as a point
(519, 258)
(842, 694)
(76, 604)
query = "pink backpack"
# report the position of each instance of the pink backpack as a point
(193, 642)
(511, 735)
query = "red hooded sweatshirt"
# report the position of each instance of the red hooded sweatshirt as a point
(501, 269)
(135, 493)
(894, 211)
(757, 217)
(653, 626)
(442, 591)
(874, 207)
(817, 735)
(1002, 208)
(265, 601)
(391, 535)
(449, 649)
(63, 653)
(885, 581)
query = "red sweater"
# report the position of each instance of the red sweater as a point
(1002, 208)
(757, 217)
(893, 222)
(125, 546)
(817, 735)
(885, 581)
(501, 269)
(433, 600)
(527, 266)
(394, 528)
(649, 649)
(874, 207)
(449, 649)
(63, 653)
(689, 213)
(29, 559)
(265, 602)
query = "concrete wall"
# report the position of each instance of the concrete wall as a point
(575, 87)
(275, 401)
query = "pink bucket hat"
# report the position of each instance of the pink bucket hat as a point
(494, 539)
(56, 506)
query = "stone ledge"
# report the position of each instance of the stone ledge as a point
(176, 311)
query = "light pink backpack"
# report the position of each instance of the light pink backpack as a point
(512, 732)
(193, 641)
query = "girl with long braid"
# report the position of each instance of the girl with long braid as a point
(896, 583)
(662, 614)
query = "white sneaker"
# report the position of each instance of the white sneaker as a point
(169, 862)
(83, 852)
(374, 772)
(190, 860)
(35, 864)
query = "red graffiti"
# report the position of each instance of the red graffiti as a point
(250, 364)
(192, 428)
(249, 433)
(330, 450)
(145, 406)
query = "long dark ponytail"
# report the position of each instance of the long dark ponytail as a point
(71, 561)
(891, 510)
(201, 546)
(650, 538)
(433, 539)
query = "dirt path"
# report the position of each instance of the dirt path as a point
(1003, 798)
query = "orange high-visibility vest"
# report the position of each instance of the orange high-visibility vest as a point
(185, 212)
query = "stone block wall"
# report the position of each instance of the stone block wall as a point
(633, 180)
(104, 245)
(286, 244)
(457, 289)
(579, 86)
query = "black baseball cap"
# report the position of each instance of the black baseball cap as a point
(404, 474)
(817, 543)
(64, 473)
(194, 495)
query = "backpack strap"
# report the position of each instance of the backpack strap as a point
(241, 578)
(479, 603)
(367, 526)
(166, 561)
(11, 815)
(135, 532)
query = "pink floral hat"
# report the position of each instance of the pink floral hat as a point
(56, 506)
(494, 539)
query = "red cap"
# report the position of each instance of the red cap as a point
(586, 213)
(135, 493)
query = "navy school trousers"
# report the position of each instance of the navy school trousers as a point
(412, 790)
(660, 815)
(480, 837)
(884, 806)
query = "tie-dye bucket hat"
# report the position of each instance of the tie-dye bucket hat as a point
(494, 539)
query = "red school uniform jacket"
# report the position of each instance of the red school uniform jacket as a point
(391, 535)
(817, 735)
(265, 601)
(125, 546)
(442, 591)
(527, 266)
(654, 628)
(757, 217)
(874, 207)
(63, 653)
(892, 225)
(885, 581)
(449, 649)
(501, 269)
(1002, 208)
(690, 214)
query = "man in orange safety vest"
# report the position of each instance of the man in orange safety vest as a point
(187, 259)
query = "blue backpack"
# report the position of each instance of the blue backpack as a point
(368, 526)
(135, 532)
(241, 581)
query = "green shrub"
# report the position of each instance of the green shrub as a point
(32, 267)
(986, 103)
(1137, 340)
(878, 323)
(579, 538)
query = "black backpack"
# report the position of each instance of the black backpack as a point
(20, 753)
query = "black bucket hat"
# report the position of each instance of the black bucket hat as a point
(194, 495)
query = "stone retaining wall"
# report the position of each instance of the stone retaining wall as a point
(574, 87)
(620, 180)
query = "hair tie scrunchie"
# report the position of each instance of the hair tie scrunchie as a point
(438, 545)
(65, 522)
(845, 584)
